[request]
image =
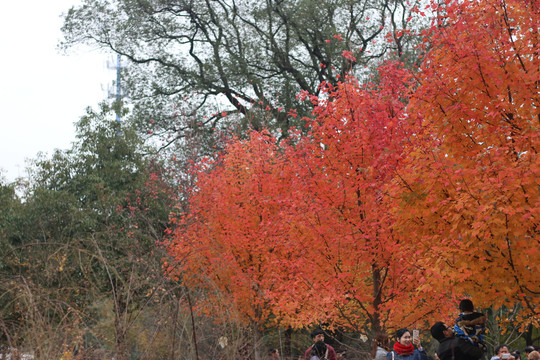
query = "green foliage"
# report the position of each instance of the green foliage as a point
(195, 63)
(83, 234)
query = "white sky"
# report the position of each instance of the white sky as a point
(42, 92)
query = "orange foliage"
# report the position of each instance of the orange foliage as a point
(386, 213)
(225, 243)
(355, 265)
(302, 233)
(470, 186)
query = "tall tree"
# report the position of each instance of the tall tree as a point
(217, 59)
(10, 205)
(84, 238)
(224, 243)
(403, 200)
(301, 233)
(470, 185)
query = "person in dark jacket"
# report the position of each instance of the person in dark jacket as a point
(451, 347)
(470, 324)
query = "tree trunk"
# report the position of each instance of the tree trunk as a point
(527, 335)
(122, 351)
(287, 343)
(377, 292)
(256, 337)
(193, 332)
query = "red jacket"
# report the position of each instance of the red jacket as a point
(331, 353)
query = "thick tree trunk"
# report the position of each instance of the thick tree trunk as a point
(527, 335)
(377, 293)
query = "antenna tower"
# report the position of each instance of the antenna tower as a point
(116, 93)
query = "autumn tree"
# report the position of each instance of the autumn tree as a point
(301, 233)
(469, 189)
(391, 207)
(356, 268)
(224, 243)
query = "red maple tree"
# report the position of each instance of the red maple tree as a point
(470, 185)
(302, 233)
(397, 201)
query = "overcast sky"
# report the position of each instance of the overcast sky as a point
(43, 93)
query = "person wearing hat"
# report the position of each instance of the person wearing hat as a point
(451, 347)
(318, 335)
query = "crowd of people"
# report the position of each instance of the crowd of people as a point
(450, 347)
(463, 340)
